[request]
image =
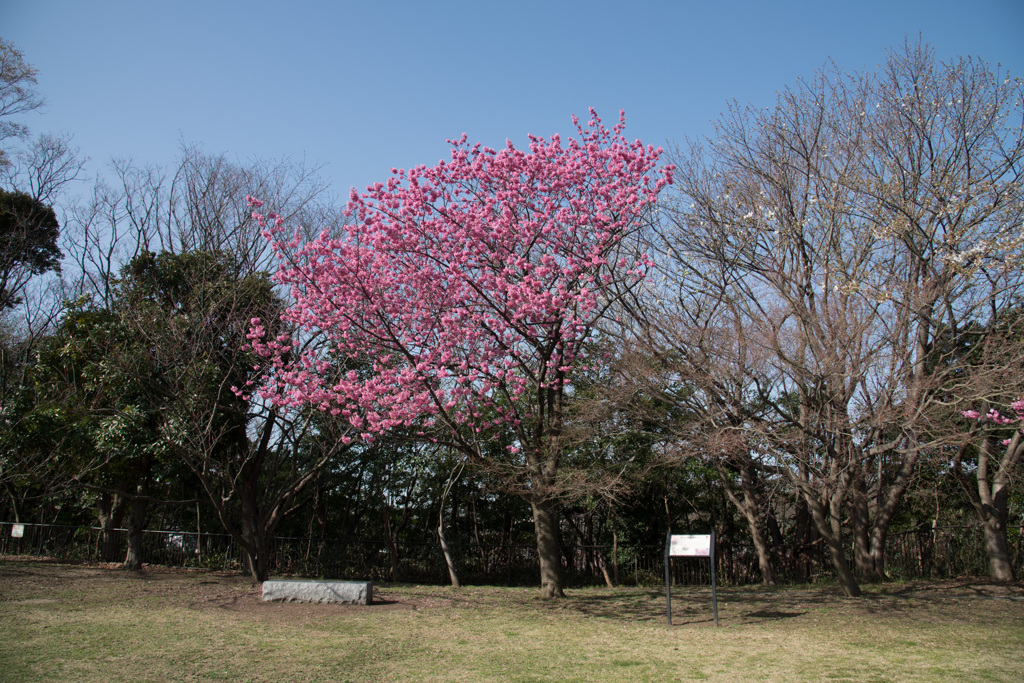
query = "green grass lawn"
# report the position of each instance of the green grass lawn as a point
(88, 623)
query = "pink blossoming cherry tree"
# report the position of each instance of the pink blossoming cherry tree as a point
(468, 291)
(997, 461)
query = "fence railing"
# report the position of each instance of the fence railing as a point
(945, 552)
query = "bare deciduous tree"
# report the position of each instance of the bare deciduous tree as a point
(817, 261)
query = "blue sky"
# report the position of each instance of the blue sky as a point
(361, 87)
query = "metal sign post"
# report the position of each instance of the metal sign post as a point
(714, 583)
(690, 546)
(668, 575)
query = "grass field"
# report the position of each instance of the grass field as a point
(65, 622)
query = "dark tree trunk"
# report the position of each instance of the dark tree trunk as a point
(545, 522)
(391, 540)
(990, 499)
(764, 556)
(889, 498)
(827, 521)
(137, 515)
(393, 531)
(749, 508)
(136, 522)
(615, 552)
(110, 513)
(860, 518)
(803, 540)
(844, 576)
(254, 558)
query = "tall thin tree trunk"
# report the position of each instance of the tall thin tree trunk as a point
(136, 522)
(752, 511)
(448, 559)
(199, 538)
(14, 503)
(602, 564)
(391, 540)
(615, 552)
(803, 537)
(476, 531)
(748, 507)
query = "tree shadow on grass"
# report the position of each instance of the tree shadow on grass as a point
(695, 606)
(769, 615)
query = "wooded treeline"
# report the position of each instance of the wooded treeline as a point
(818, 341)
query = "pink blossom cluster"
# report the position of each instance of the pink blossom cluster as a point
(467, 285)
(995, 417)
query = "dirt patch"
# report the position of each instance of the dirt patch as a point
(29, 580)
(26, 580)
(63, 583)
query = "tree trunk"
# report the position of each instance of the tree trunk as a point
(476, 531)
(748, 507)
(545, 522)
(445, 492)
(110, 513)
(1000, 568)
(603, 566)
(615, 552)
(845, 577)
(392, 544)
(255, 552)
(827, 523)
(864, 563)
(886, 510)
(136, 522)
(448, 559)
(14, 504)
(803, 538)
(990, 500)
(995, 501)
(137, 515)
(764, 556)
(752, 512)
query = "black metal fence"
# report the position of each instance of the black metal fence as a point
(946, 552)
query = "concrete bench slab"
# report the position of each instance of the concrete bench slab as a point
(307, 590)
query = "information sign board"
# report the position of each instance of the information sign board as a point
(17, 530)
(689, 545)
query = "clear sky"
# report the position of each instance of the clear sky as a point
(364, 86)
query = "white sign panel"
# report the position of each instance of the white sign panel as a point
(17, 530)
(690, 546)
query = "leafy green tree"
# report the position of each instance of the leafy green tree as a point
(92, 377)
(28, 243)
(190, 315)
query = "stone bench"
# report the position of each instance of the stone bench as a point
(308, 590)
